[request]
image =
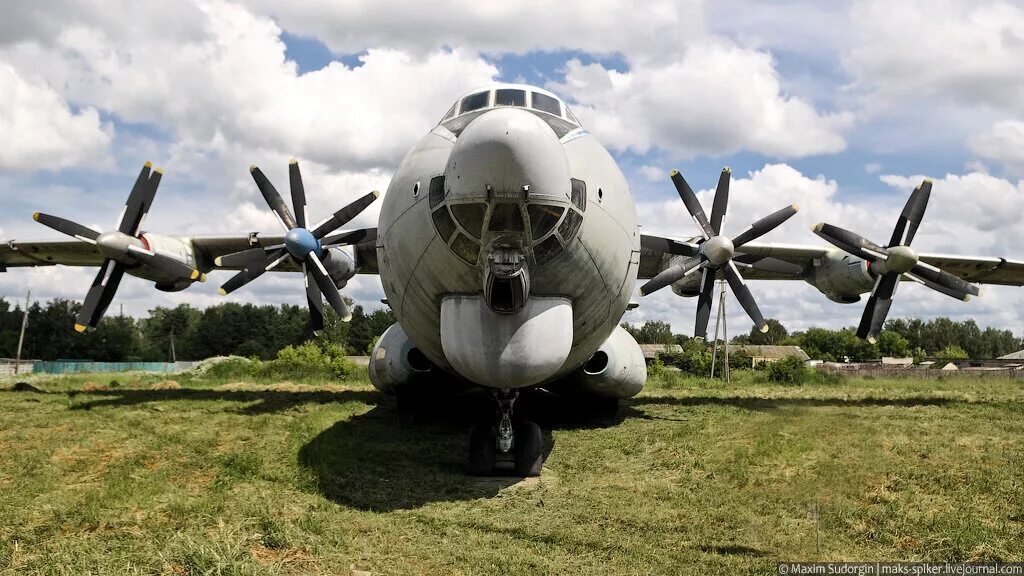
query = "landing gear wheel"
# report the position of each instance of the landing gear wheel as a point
(528, 454)
(481, 450)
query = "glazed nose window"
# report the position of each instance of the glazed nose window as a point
(471, 216)
(506, 218)
(543, 218)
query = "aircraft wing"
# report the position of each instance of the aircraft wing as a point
(363, 243)
(768, 261)
(756, 261)
(16, 254)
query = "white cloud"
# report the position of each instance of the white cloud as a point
(716, 99)
(872, 167)
(1003, 142)
(959, 51)
(41, 132)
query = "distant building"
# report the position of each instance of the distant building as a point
(652, 351)
(762, 354)
(1018, 355)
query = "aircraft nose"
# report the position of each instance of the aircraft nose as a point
(507, 153)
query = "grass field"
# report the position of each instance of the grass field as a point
(690, 478)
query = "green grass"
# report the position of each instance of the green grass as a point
(692, 477)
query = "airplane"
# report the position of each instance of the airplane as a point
(508, 249)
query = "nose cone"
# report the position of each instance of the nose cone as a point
(507, 149)
(300, 242)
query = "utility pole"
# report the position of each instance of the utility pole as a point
(173, 356)
(720, 321)
(21, 339)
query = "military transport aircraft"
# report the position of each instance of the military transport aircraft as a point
(508, 248)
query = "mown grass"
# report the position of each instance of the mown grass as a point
(692, 477)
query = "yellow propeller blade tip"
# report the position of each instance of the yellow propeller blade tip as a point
(35, 216)
(928, 180)
(376, 193)
(293, 161)
(764, 329)
(347, 318)
(674, 172)
(222, 292)
(217, 261)
(253, 168)
(148, 164)
(202, 277)
(796, 207)
(195, 274)
(817, 227)
(80, 327)
(727, 170)
(158, 170)
(641, 292)
(872, 340)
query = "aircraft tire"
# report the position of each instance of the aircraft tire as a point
(529, 456)
(481, 450)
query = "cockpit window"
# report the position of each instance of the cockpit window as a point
(543, 218)
(436, 191)
(547, 250)
(471, 216)
(579, 193)
(506, 218)
(466, 249)
(546, 103)
(509, 97)
(570, 225)
(443, 222)
(571, 116)
(450, 113)
(474, 102)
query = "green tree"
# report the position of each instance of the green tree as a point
(774, 336)
(890, 343)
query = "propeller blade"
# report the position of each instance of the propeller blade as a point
(327, 286)
(314, 299)
(768, 264)
(668, 246)
(765, 225)
(913, 212)
(341, 217)
(877, 307)
(139, 201)
(298, 193)
(692, 204)
(348, 238)
(672, 274)
(165, 264)
(253, 271)
(721, 202)
(100, 294)
(245, 257)
(68, 227)
(850, 242)
(742, 293)
(273, 198)
(944, 282)
(707, 286)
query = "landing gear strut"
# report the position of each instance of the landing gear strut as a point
(502, 444)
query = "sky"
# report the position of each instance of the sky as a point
(840, 107)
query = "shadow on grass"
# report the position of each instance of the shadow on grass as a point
(385, 460)
(753, 403)
(258, 401)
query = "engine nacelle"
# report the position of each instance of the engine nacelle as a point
(616, 370)
(689, 286)
(841, 277)
(396, 362)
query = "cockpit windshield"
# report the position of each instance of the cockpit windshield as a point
(545, 105)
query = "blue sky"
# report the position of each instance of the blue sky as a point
(839, 107)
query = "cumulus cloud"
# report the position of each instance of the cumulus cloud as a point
(716, 98)
(958, 51)
(41, 132)
(1003, 142)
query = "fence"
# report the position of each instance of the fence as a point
(923, 373)
(76, 367)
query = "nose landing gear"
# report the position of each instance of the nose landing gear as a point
(503, 445)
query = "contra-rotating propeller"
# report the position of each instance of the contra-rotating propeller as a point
(304, 246)
(121, 248)
(715, 252)
(889, 263)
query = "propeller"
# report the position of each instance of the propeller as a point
(715, 253)
(306, 248)
(121, 248)
(896, 260)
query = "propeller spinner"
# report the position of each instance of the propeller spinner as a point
(715, 252)
(898, 259)
(303, 246)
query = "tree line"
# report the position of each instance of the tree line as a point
(225, 329)
(937, 338)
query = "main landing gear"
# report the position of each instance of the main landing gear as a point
(503, 445)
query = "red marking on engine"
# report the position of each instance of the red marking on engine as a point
(145, 242)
